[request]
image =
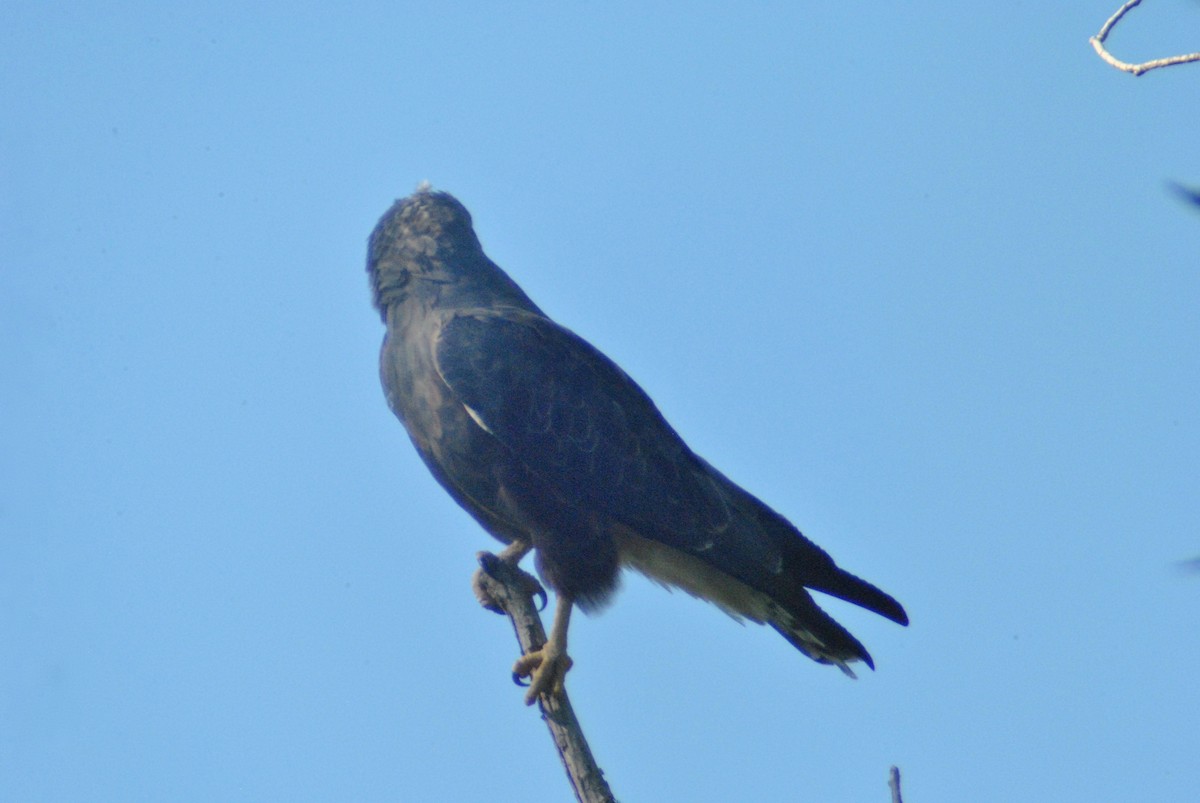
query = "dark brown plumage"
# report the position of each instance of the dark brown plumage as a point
(552, 447)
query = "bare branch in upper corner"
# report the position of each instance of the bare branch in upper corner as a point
(1136, 69)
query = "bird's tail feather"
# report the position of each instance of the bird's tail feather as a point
(815, 633)
(843, 585)
(813, 568)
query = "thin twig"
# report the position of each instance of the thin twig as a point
(587, 779)
(894, 784)
(1137, 69)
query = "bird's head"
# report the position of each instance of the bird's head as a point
(427, 237)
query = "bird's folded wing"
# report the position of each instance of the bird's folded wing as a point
(584, 428)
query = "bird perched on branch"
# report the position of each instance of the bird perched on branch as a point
(553, 448)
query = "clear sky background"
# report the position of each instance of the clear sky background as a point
(910, 274)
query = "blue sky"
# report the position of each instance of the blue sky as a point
(913, 278)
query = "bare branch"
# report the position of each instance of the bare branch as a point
(1136, 69)
(513, 595)
(894, 784)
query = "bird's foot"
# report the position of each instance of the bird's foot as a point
(503, 569)
(546, 669)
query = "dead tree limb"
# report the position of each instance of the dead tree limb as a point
(894, 784)
(513, 595)
(1136, 69)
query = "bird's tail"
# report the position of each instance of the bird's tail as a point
(803, 623)
(843, 585)
(815, 633)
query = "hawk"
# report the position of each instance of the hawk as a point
(551, 447)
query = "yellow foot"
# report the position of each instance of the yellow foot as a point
(546, 669)
(490, 567)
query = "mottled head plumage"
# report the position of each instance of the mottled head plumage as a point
(425, 246)
(418, 237)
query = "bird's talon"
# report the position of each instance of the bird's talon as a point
(546, 669)
(482, 593)
(494, 566)
(519, 680)
(487, 562)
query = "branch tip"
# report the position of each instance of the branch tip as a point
(1097, 42)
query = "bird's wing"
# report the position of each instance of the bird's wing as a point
(584, 428)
